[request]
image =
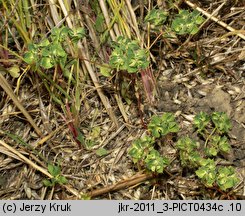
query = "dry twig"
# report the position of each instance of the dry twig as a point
(229, 28)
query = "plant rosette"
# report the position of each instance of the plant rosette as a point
(127, 55)
(162, 125)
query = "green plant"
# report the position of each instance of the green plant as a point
(201, 121)
(162, 125)
(191, 153)
(155, 162)
(55, 171)
(211, 129)
(54, 53)
(127, 55)
(140, 148)
(156, 17)
(51, 51)
(101, 152)
(218, 144)
(226, 178)
(143, 150)
(221, 122)
(186, 22)
(207, 172)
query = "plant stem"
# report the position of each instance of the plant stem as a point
(7, 88)
(206, 142)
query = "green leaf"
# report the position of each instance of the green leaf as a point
(201, 172)
(80, 137)
(207, 172)
(162, 125)
(156, 17)
(14, 71)
(186, 144)
(47, 183)
(212, 151)
(101, 152)
(54, 170)
(57, 50)
(227, 178)
(30, 57)
(201, 121)
(44, 43)
(77, 34)
(199, 20)
(193, 29)
(155, 162)
(46, 63)
(188, 155)
(140, 148)
(186, 22)
(51, 169)
(45, 52)
(224, 146)
(59, 34)
(193, 159)
(105, 71)
(62, 180)
(221, 143)
(221, 121)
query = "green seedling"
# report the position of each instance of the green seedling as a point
(186, 22)
(128, 56)
(140, 148)
(215, 141)
(189, 155)
(143, 151)
(218, 144)
(51, 51)
(201, 121)
(192, 154)
(162, 125)
(155, 162)
(226, 178)
(77, 34)
(221, 122)
(207, 172)
(101, 152)
(55, 171)
(212, 129)
(156, 17)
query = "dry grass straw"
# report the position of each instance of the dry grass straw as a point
(35, 166)
(4, 84)
(212, 17)
(83, 51)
